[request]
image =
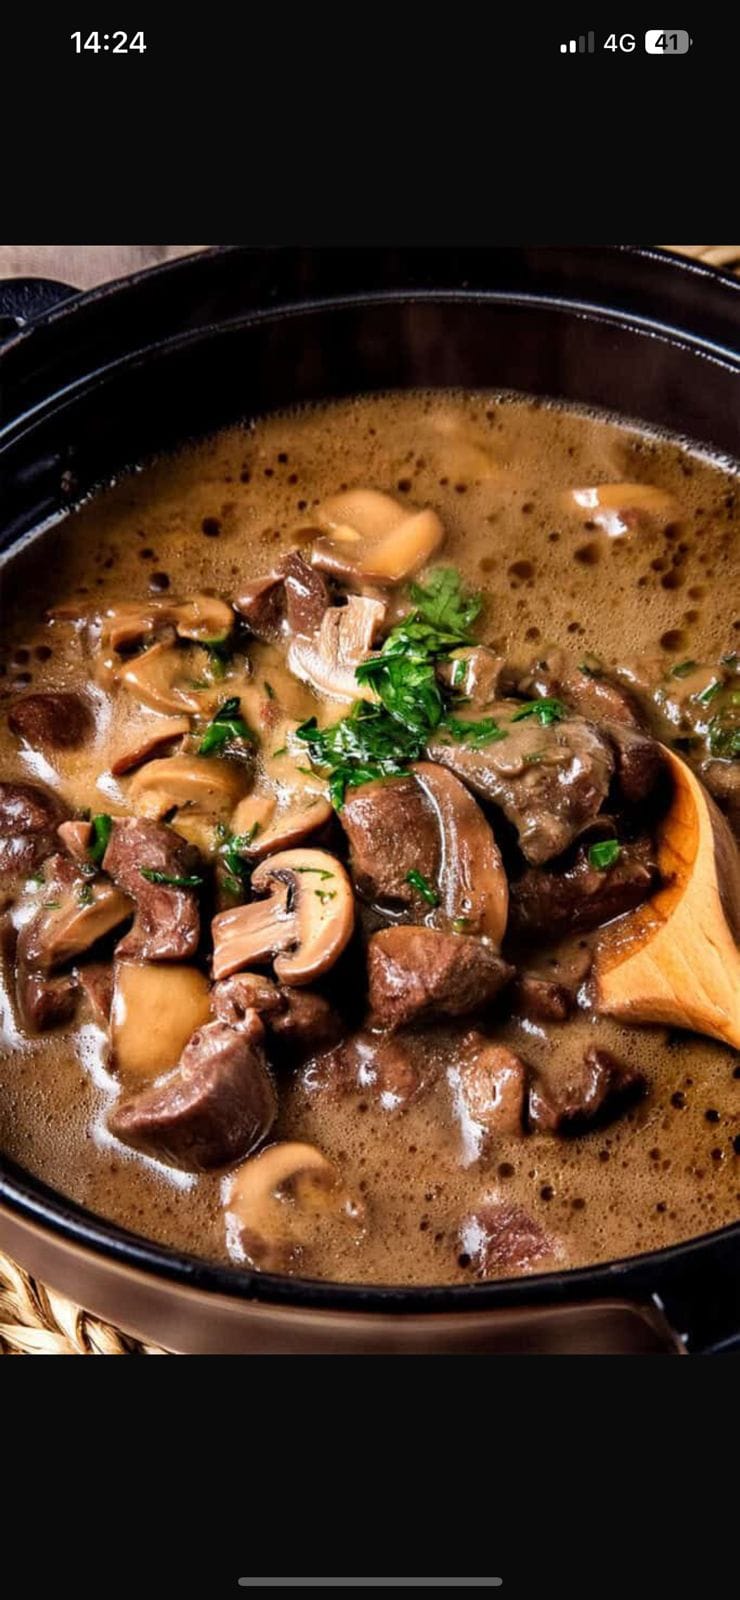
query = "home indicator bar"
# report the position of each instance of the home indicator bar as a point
(584, 45)
(370, 1583)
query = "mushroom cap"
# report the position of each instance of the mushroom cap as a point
(152, 678)
(202, 782)
(290, 826)
(279, 1201)
(370, 536)
(156, 1007)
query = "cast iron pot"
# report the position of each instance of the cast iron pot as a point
(92, 383)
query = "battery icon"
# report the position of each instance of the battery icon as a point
(659, 42)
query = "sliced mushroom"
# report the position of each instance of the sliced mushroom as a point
(619, 507)
(280, 1203)
(290, 827)
(305, 923)
(218, 1105)
(474, 891)
(372, 537)
(150, 741)
(154, 678)
(202, 783)
(328, 659)
(202, 617)
(154, 1012)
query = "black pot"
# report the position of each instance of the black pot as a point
(98, 381)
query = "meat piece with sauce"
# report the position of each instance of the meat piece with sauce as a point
(29, 818)
(547, 904)
(587, 1091)
(167, 920)
(417, 972)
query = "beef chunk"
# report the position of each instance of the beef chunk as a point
(499, 1239)
(589, 693)
(216, 1107)
(96, 983)
(297, 1018)
(591, 1091)
(722, 779)
(416, 972)
(389, 1072)
(490, 1084)
(29, 818)
(167, 922)
(52, 721)
(550, 781)
(75, 911)
(262, 605)
(392, 830)
(477, 674)
(45, 1002)
(547, 904)
(76, 837)
(541, 999)
(639, 762)
(306, 594)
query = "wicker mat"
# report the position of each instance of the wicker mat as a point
(35, 1321)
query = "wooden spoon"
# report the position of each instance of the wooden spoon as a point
(675, 960)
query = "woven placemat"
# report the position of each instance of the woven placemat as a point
(34, 1320)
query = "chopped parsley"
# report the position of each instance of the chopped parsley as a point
(724, 733)
(269, 691)
(85, 895)
(283, 751)
(475, 733)
(51, 905)
(424, 887)
(367, 744)
(708, 694)
(102, 827)
(231, 846)
(682, 669)
(379, 739)
(321, 872)
(171, 880)
(604, 854)
(546, 711)
(227, 724)
(325, 894)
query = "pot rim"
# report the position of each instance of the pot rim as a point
(36, 1203)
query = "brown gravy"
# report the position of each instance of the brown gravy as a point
(495, 469)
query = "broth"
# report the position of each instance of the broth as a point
(496, 469)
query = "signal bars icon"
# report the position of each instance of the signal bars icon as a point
(583, 46)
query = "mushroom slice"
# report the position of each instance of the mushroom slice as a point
(152, 678)
(75, 912)
(203, 618)
(290, 827)
(345, 638)
(155, 1010)
(253, 814)
(280, 1203)
(371, 536)
(150, 741)
(619, 507)
(474, 890)
(198, 782)
(304, 923)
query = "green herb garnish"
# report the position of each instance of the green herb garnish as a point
(424, 887)
(269, 691)
(475, 733)
(51, 905)
(320, 872)
(283, 751)
(325, 894)
(102, 827)
(366, 745)
(443, 602)
(682, 669)
(171, 880)
(226, 724)
(546, 711)
(724, 734)
(604, 854)
(708, 694)
(85, 895)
